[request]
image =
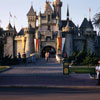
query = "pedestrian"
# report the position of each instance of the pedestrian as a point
(19, 58)
(99, 74)
(46, 56)
(97, 71)
(24, 58)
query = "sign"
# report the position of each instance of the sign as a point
(65, 64)
(66, 71)
(65, 68)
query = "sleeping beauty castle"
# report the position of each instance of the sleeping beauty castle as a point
(52, 34)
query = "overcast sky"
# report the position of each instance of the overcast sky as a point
(19, 8)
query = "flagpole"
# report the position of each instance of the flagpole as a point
(89, 14)
(0, 23)
(10, 16)
(14, 20)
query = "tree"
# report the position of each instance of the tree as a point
(96, 20)
(88, 59)
(80, 56)
(73, 56)
(94, 59)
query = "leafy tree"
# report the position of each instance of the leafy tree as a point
(96, 20)
(88, 59)
(94, 59)
(72, 57)
(80, 56)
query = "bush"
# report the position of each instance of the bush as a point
(83, 58)
(9, 61)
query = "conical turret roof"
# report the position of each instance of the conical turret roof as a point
(15, 31)
(9, 27)
(86, 24)
(48, 6)
(31, 12)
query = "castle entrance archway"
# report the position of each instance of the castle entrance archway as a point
(49, 49)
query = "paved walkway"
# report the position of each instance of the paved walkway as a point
(43, 74)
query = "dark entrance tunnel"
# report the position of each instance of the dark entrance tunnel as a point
(49, 49)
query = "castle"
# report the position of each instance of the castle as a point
(52, 34)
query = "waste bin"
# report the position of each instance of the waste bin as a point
(65, 67)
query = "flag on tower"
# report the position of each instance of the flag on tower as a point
(89, 13)
(15, 17)
(0, 21)
(10, 14)
(89, 9)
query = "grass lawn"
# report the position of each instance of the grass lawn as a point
(83, 70)
(3, 67)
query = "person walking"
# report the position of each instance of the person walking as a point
(19, 58)
(46, 56)
(24, 59)
(97, 72)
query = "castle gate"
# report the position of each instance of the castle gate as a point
(48, 47)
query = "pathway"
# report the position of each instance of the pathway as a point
(43, 74)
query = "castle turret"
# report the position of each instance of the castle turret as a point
(68, 46)
(9, 38)
(57, 7)
(9, 27)
(31, 15)
(29, 45)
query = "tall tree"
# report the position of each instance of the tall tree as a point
(96, 20)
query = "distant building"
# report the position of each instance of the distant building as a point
(52, 34)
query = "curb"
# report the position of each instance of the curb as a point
(51, 87)
(8, 67)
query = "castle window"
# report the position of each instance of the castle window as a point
(79, 34)
(48, 39)
(48, 27)
(48, 18)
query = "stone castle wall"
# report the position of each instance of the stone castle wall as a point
(9, 46)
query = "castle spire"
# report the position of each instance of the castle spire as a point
(31, 11)
(67, 15)
(89, 14)
(57, 4)
(9, 27)
(67, 11)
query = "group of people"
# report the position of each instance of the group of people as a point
(47, 56)
(98, 73)
(20, 59)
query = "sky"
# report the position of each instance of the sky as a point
(79, 9)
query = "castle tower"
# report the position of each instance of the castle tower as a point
(31, 15)
(67, 15)
(9, 27)
(68, 47)
(29, 44)
(9, 38)
(39, 20)
(90, 35)
(57, 7)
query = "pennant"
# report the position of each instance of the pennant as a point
(10, 14)
(15, 17)
(0, 21)
(89, 9)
